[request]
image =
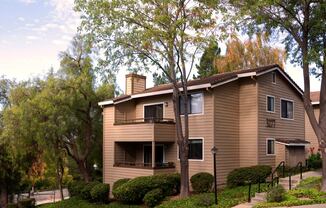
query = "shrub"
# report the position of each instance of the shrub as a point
(204, 200)
(75, 188)
(86, 190)
(276, 194)
(202, 182)
(241, 176)
(153, 197)
(119, 182)
(12, 205)
(133, 191)
(26, 203)
(100, 193)
(315, 161)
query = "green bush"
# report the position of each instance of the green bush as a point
(12, 205)
(133, 191)
(75, 188)
(100, 193)
(153, 197)
(204, 200)
(26, 203)
(86, 190)
(202, 182)
(315, 161)
(240, 176)
(276, 194)
(119, 182)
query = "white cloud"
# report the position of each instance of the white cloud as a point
(32, 37)
(28, 1)
(59, 42)
(21, 19)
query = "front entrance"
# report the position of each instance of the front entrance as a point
(159, 154)
(295, 154)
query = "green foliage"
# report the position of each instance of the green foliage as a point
(75, 188)
(100, 193)
(86, 190)
(276, 194)
(227, 198)
(133, 191)
(26, 203)
(206, 65)
(311, 182)
(202, 182)
(153, 197)
(315, 161)
(12, 205)
(119, 182)
(253, 174)
(76, 202)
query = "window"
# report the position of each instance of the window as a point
(153, 112)
(195, 104)
(195, 149)
(274, 77)
(270, 104)
(286, 109)
(270, 143)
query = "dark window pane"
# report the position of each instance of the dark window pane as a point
(195, 104)
(274, 77)
(270, 104)
(196, 149)
(270, 147)
(154, 112)
(287, 109)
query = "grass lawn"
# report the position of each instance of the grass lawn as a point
(79, 203)
(307, 192)
(226, 198)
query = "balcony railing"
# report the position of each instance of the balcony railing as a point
(144, 165)
(145, 120)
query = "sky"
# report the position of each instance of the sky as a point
(33, 32)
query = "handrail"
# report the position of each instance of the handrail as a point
(292, 171)
(145, 120)
(281, 164)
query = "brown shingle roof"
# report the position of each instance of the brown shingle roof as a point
(314, 96)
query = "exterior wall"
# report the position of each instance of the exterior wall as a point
(310, 134)
(248, 116)
(295, 155)
(226, 130)
(284, 128)
(280, 153)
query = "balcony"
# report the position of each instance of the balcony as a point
(144, 165)
(144, 129)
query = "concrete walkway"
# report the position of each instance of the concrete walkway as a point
(45, 197)
(295, 180)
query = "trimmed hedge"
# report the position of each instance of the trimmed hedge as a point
(153, 197)
(240, 176)
(133, 191)
(86, 190)
(202, 182)
(119, 182)
(276, 194)
(100, 193)
(75, 188)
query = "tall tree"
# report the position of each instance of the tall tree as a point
(303, 25)
(162, 34)
(207, 65)
(249, 54)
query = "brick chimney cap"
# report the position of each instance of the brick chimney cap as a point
(135, 75)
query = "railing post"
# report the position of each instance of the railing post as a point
(277, 180)
(259, 185)
(290, 181)
(272, 180)
(300, 170)
(249, 192)
(283, 169)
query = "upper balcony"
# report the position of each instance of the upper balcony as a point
(144, 129)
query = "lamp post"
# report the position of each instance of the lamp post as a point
(214, 151)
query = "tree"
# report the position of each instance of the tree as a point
(303, 25)
(163, 34)
(206, 65)
(249, 54)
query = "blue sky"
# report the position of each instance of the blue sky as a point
(33, 32)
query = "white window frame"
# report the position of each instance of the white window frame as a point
(274, 75)
(150, 145)
(202, 107)
(267, 103)
(281, 109)
(150, 104)
(203, 150)
(270, 139)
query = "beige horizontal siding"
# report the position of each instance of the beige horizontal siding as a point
(310, 133)
(283, 128)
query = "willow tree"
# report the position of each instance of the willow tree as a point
(154, 35)
(302, 24)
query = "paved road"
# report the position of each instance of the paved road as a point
(45, 197)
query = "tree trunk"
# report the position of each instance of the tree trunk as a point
(84, 171)
(3, 196)
(60, 172)
(184, 173)
(323, 153)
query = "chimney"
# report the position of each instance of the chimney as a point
(135, 83)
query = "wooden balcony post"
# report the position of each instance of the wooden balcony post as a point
(153, 154)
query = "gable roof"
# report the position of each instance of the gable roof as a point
(208, 82)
